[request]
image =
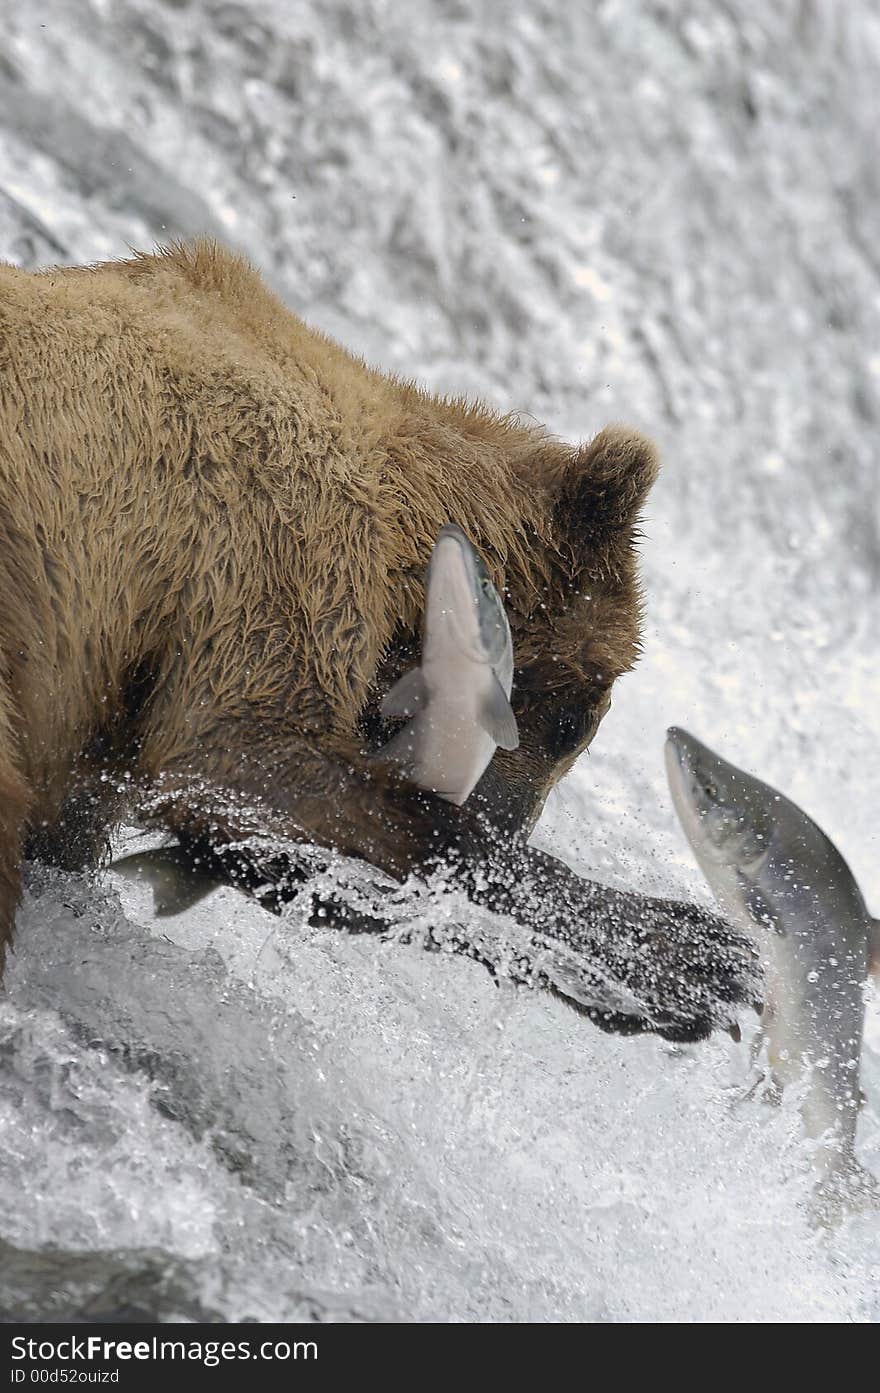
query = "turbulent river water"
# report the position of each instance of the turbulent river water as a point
(657, 212)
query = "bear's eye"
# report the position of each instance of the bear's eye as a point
(568, 731)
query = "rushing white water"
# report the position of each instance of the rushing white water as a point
(656, 212)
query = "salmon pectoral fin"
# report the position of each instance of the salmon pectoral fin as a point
(406, 697)
(758, 905)
(497, 718)
(401, 749)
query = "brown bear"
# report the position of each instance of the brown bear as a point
(214, 525)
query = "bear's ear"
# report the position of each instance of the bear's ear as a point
(601, 493)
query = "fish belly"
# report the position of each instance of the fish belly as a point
(814, 1022)
(451, 750)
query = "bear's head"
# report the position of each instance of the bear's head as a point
(575, 618)
(557, 527)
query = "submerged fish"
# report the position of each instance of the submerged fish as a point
(173, 875)
(458, 700)
(776, 874)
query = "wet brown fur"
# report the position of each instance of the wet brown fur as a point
(214, 525)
